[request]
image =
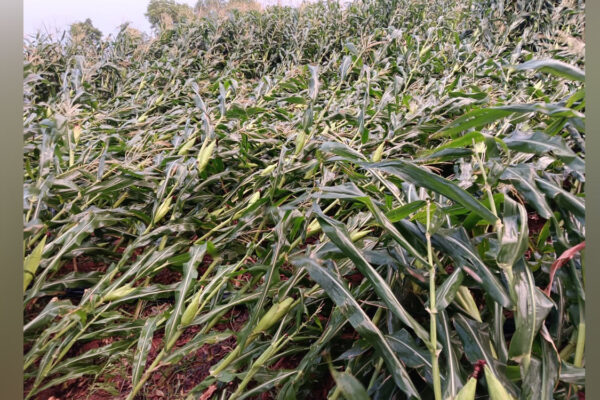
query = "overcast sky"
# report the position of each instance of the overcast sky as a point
(106, 15)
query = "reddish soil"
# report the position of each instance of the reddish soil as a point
(172, 381)
(83, 264)
(167, 382)
(193, 368)
(309, 241)
(166, 276)
(34, 307)
(288, 362)
(175, 381)
(236, 318)
(354, 279)
(535, 223)
(348, 333)
(322, 388)
(75, 389)
(241, 279)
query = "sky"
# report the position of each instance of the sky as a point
(51, 16)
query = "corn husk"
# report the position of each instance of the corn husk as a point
(468, 391)
(253, 199)
(118, 294)
(32, 262)
(191, 310)
(76, 133)
(300, 141)
(313, 228)
(378, 153)
(205, 153)
(275, 313)
(186, 147)
(163, 210)
(357, 235)
(267, 171)
(496, 389)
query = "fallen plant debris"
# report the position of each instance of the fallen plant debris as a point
(359, 200)
(562, 260)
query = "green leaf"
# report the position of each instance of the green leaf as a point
(93, 355)
(408, 350)
(404, 211)
(53, 309)
(465, 140)
(32, 262)
(497, 332)
(453, 380)
(473, 119)
(540, 143)
(514, 237)
(444, 293)
(475, 339)
(338, 234)
(421, 177)
(522, 177)
(295, 100)
(484, 116)
(351, 191)
(566, 200)
(198, 341)
(531, 387)
(189, 274)
(85, 224)
(496, 388)
(455, 244)
(360, 321)
(532, 308)
(549, 370)
(143, 348)
(350, 387)
(313, 83)
(345, 67)
(342, 150)
(572, 374)
(72, 374)
(553, 67)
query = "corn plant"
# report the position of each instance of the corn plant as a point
(380, 199)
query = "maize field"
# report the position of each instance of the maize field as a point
(381, 199)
